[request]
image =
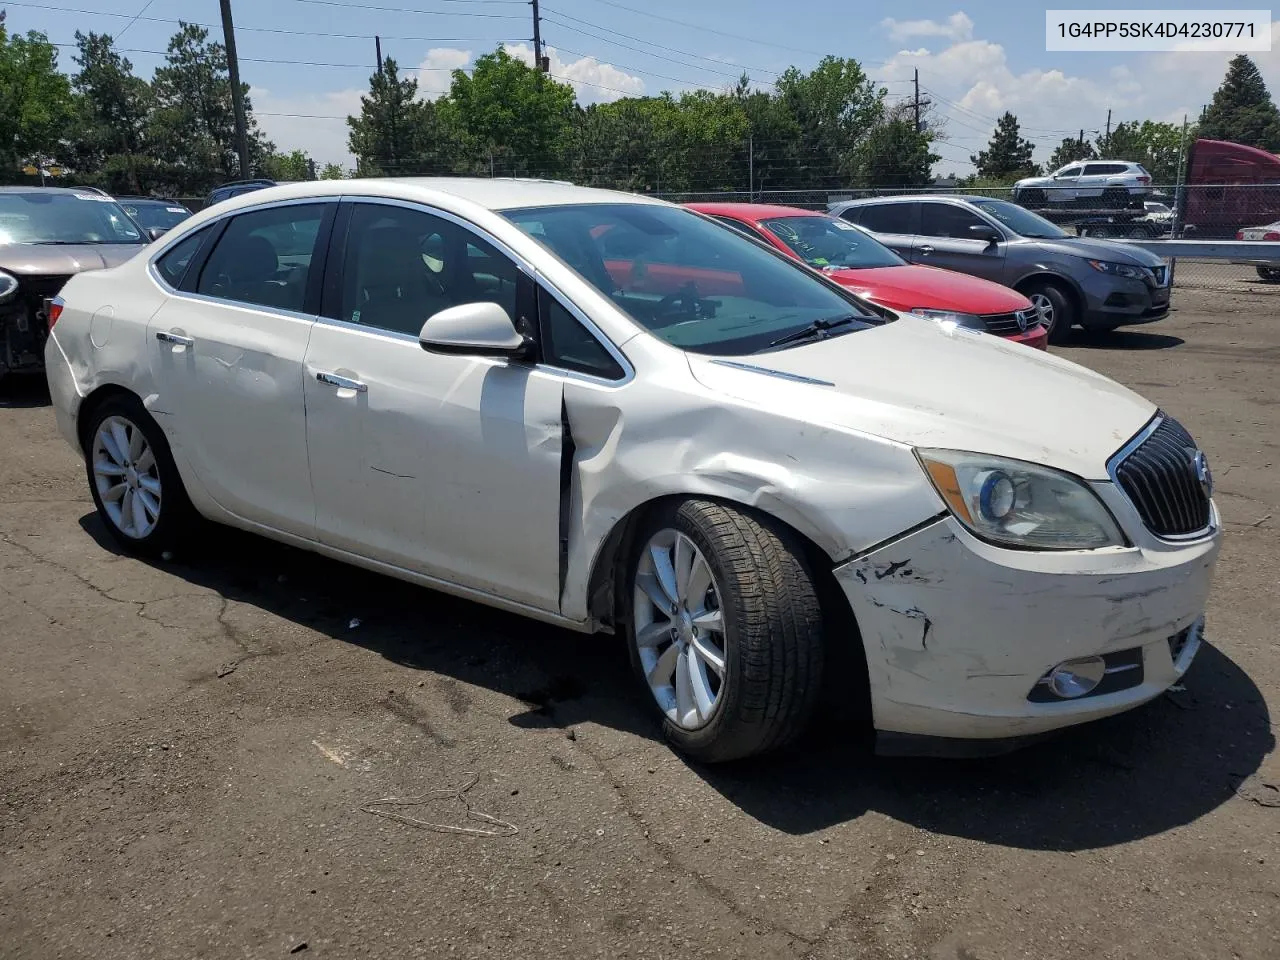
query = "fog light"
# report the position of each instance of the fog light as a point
(1075, 678)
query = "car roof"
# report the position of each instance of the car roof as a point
(133, 199)
(905, 198)
(753, 211)
(490, 193)
(63, 190)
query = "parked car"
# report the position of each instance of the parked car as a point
(749, 486)
(1091, 183)
(156, 215)
(238, 187)
(853, 258)
(46, 235)
(1267, 269)
(1158, 212)
(1099, 284)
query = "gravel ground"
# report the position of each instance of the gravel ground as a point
(185, 751)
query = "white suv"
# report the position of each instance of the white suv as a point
(1107, 183)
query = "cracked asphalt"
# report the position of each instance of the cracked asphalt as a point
(186, 748)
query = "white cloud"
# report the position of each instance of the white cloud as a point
(592, 81)
(314, 122)
(958, 26)
(435, 73)
(972, 83)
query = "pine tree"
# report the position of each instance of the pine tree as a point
(1242, 110)
(1007, 155)
(1072, 149)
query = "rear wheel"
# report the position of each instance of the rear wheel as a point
(725, 629)
(1057, 311)
(1269, 273)
(133, 479)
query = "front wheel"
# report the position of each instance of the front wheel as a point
(1269, 273)
(133, 479)
(725, 629)
(1057, 312)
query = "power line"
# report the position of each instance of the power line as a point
(695, 26)
(623, 66)
(136, 16)
(424, 13)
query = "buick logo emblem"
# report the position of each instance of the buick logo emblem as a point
(1203, 473)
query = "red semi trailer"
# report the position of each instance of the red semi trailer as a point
(1228, 186)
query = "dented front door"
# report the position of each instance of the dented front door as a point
(445, 465)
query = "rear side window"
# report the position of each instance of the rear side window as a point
(739, 226)
(172, 266)
(1104, 169)
(886, 218)
(264, 257)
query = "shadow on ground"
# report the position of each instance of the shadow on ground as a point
(23, 390)
(1123, 340)
(1115, 781)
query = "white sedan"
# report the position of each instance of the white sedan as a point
(610, 413)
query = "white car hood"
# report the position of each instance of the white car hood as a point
(917, 382)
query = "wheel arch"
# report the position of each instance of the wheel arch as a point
(1061, 280)
(94, 399)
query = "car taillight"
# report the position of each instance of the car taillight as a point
(1271, 235)
(54, 311)
(1239, 234)
(1144, 179)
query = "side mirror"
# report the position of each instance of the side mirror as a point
(478, 329)
(155, 233)
(983, 231)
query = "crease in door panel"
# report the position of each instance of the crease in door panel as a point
(567, 451)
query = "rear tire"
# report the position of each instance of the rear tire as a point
(134, 482)
(1058, 312)
(754, 608)
(1270, 274)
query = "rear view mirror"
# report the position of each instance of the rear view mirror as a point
(479, 329)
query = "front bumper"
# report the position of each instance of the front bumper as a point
(958, 633)
(1120, 301)
(1036, 337)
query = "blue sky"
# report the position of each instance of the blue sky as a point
(975, 60)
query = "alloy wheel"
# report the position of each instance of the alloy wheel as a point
(127, 477)
(679, 628)
(1044, 306)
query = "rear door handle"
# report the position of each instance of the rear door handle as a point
(342, 383)
(175, 339)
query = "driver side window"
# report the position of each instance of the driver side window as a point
(402, 265)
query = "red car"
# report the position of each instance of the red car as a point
(858, 261)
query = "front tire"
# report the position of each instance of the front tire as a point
(725, 629)
(1057, 311)
(133, 479)
(1270, 274)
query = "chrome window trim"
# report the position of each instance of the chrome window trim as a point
(522, 264)
(1113, 467)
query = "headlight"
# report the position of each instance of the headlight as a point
(1117, 269)
(8, 286)
(971, 320)
(1020, 504)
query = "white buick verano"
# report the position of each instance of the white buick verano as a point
(612, 414)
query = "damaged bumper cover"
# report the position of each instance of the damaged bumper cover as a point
(959, 634)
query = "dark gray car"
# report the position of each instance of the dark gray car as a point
(1093, 283)
(48, 234)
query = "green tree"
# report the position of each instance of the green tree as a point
(390, 134)
(775, 137)
(332, 171)
(1070, 150)
(192, 127)
(1242, 110)
(112, 106)
(835, 105)
(295, 165)
(1155, 145)
(510, 116)
(1007, 154)
(896, 154)
(35, 101)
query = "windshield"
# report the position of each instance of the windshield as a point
(828, 242)
(688, 280)
(153, 213)
(1020, 220)
(62, 218)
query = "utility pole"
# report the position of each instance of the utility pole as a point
(751, 167)
(917, 100)
(540, 62)
(237, 95)
(377, 45)
(1082, 139)
(1178, 201)
(1108, 128)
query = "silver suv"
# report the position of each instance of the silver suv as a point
(1098, 284)
(1088, 183)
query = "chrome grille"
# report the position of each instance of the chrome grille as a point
(1004, 324)
(1160, 477)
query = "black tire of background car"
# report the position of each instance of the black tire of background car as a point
(1064, 313)
(1271, 274)
(177, 515)
(774, 630)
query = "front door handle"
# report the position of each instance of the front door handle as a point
(175, 339)
(926, 249)
(342, 383)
